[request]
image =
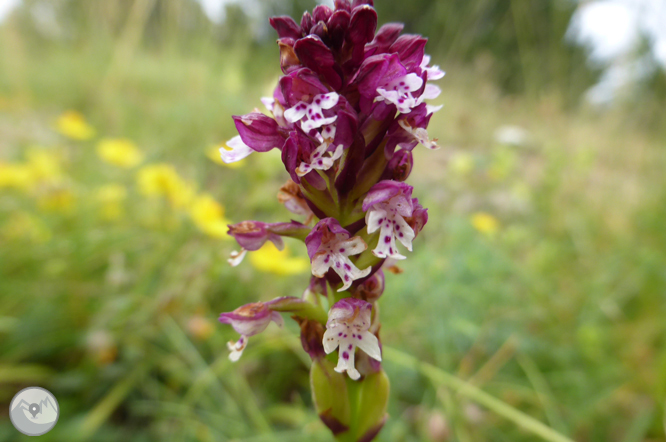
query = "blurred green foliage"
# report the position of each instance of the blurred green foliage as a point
(557, 308)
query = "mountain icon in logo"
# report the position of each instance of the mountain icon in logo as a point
(34, 411)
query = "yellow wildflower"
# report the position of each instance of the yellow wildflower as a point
(270, 259)
(111, 198)
(214, 155)
(119, 152)
(22, 225)
(208, 216)
(462, 163)
(57, 199)
(485, 223)
(16, 176)
(73, 125)
(163, 180)
(44, 165)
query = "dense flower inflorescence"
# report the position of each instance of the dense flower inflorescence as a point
(346, 114)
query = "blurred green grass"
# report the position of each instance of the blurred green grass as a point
(558, 311)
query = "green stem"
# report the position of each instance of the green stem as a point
(440, 377)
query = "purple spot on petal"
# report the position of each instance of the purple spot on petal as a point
(347, 267)
(360, 337)
(350, 346)
(346, 278)
(342, 250)
(344, 336)
(387, 239)
(337, 264)
(345, 355)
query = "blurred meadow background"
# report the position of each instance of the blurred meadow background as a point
(540, 277)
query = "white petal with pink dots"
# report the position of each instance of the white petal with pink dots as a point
(312, 112)
(334, 255)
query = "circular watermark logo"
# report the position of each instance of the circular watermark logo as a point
(34, 411)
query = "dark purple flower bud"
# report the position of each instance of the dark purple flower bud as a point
(285, 27)
(353, 164)
(301, 85)
(314, 54)
(296, 150)
(419, 217)
(342, 5)
(312, 336)
(306, 23)
(346, 127)
(400, 166)
(288, 59)
(411, 49)
(321, 13)
(377, 71)
(372, 288)
(259, 131)
(384, 38)
(320, 30)
(362, 26)
(337, 27)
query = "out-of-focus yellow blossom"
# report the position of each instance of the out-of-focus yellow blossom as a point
(462, 163)
(120, 152)
(57, 199)
(45, 165)
(485, 223)
(42, 167)
(15, 176)
(111, 198)
(505, 160)
(73, 125)
(214, 155)
(163, 180)
(200, 327)
(270, 259)
(22, 225)
(208, 216)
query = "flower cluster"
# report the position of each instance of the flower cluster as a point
(346, 114)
